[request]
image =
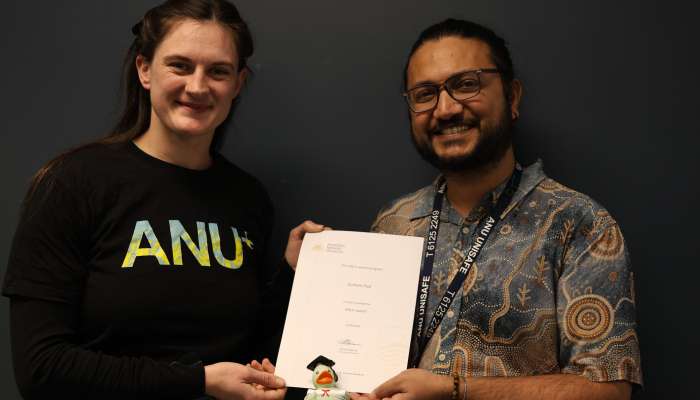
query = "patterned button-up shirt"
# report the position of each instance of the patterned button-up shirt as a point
(551, 292)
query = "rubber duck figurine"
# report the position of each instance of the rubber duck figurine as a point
(324, 379)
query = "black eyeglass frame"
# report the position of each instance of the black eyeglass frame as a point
(446, 85)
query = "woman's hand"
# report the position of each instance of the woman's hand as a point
(296, 235)
(227, 380)
(266, 365)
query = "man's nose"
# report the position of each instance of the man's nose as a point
(447, 107)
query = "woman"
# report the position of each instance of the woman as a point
(136, 266)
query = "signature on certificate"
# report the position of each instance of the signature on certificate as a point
(348, 342)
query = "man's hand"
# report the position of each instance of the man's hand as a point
(420, 384)
(227, 380)
(296, 235)
(415, 384)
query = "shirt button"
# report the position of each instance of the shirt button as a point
(441, 357)
(465, 230)
(450, 314)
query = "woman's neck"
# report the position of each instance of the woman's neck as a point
(190, 152)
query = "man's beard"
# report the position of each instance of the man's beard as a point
(492, 143)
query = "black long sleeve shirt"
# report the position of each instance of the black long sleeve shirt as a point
(128, 274)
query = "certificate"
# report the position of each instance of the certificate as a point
(353, 301)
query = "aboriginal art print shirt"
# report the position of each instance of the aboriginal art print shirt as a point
(551, 292)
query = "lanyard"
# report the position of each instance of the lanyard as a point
(484, 230)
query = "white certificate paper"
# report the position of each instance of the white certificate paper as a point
(353, 301)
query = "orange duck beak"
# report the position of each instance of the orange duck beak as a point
(324, 378)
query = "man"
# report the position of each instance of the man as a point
(546, 305)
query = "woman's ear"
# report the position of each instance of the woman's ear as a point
(144, 69)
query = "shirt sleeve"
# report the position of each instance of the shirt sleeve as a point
(275, 289)
(275, 301)
(49, 363)
(51, 246)
(596, 305)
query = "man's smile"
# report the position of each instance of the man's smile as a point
(454, 130)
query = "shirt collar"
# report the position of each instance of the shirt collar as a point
(532, 176)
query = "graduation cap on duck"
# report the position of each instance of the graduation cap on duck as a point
(323, 374)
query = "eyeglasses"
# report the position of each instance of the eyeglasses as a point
(461, 86)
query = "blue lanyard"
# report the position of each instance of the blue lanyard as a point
(486, 226)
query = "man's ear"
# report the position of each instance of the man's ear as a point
(143, 67)
(516, 94)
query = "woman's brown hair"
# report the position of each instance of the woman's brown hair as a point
(148, 33)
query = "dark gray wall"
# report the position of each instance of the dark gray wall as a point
(610, 105)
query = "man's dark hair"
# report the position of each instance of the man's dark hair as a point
(500, 55)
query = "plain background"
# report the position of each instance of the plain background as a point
(609, 105)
